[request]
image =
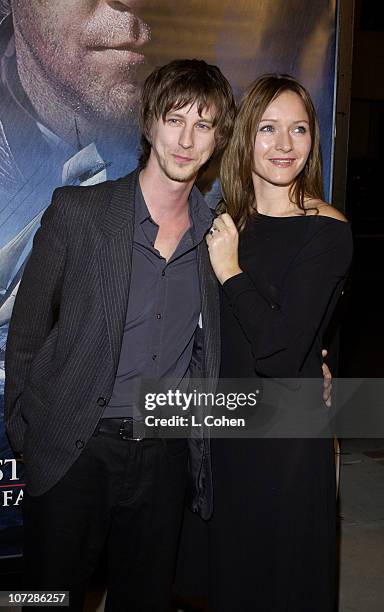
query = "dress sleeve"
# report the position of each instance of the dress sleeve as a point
(282, 331)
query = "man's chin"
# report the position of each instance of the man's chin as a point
(120, 107)
(114, 104)
(180, 174)
(182, 177)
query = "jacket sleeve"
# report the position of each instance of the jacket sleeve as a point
(35, 311)
(282, 329)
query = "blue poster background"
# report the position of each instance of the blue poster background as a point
(245, 39)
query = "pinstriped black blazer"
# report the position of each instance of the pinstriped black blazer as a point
(67, 326)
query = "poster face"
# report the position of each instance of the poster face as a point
(68, 110)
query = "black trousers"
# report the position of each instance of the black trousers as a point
(125, 494)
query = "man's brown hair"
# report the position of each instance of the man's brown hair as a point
(183, 82)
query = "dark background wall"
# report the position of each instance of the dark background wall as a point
(361, 347)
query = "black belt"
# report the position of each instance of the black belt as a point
(120, 428)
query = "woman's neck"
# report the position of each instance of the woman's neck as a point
(273, 199)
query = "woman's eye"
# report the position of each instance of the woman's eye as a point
(266, 128)
(300, 129)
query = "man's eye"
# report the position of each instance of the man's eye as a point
(203, 126)
(266, 128)
(173, 121)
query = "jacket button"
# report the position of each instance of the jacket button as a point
(101, 401)
(79, 444)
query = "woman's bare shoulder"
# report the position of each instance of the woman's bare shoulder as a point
(325, 210)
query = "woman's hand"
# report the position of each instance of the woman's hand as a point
(327, 381)
(222, 241)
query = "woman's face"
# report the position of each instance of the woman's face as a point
(283, 141)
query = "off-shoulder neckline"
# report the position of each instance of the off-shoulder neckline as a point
(272, 217)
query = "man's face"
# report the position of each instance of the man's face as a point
(90, 51)
(183, 143)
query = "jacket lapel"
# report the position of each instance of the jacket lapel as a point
(210, 312)
(115, 258)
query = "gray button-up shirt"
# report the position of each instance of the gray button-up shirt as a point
(163, 306)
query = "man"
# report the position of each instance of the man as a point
(70, 75)
(113, 292)
(79, 63)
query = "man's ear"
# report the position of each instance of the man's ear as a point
(147, 135)
(147, 129)
(145, 123)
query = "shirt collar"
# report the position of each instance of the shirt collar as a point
(141, 210)
(200, 214)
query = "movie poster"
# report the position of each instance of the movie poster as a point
(70, 76)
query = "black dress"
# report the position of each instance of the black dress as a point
(270, 545)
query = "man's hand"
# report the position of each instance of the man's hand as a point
(327, 381)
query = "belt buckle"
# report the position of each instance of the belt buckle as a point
(122, 430)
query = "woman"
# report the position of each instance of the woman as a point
(281, 255)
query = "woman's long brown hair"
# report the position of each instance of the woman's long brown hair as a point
(238, 160)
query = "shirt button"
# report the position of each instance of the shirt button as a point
(158, 316)
(163, 273)
(101, 401)
(79, 444)
(154, 357)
